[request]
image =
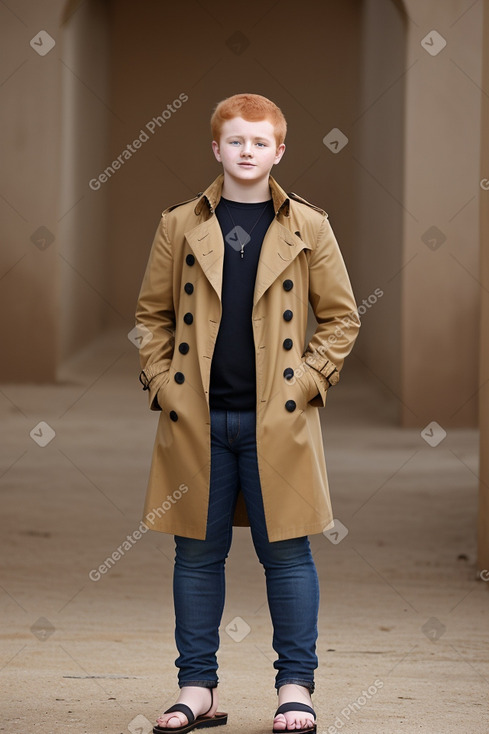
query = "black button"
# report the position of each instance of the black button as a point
(179, 377)
(288, 315)
(288, 344)
(290, 406)
(188, 318)
(190, 259)
(173, 416)
(189, 288)
(288, 373)
(183, 348)
(288, 285)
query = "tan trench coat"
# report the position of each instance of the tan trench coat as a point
(178, 315)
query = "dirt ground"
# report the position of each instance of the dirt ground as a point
(404, 623)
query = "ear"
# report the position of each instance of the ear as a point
(279, 153)
(215, 148)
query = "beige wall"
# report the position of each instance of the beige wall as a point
(29, 187)
(67, 115)
(84, 304)
(440, 288)
(483, 523)
(53, 296)
(378, 212)
(297, 66)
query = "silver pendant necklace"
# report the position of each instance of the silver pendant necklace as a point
(236, 230)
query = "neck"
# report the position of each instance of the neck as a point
(247, 193)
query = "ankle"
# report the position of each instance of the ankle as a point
(201, 691)
(293, 691)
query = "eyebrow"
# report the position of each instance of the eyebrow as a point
(257, 137)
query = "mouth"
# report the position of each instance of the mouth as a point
(247, 165)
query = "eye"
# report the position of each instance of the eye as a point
(234, 142)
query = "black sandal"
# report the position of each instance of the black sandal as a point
(200, 722)
(295, 707)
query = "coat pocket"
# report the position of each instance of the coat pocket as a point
(307, 383)
(160, 392)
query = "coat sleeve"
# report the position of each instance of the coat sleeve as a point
(333, 304)
(155, 316)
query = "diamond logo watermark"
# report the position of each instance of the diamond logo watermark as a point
(42, 629)
(42, 434)
(238, 629)
(238, 43)
(335, 531)
(433, 238)
(42, 43)
(433, 434)
(433, 629)
(237, 238)
(433, 43)
(140, 336)
(140, 725)
(335, 140)
(42, 238)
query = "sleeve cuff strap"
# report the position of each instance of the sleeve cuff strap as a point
(334, 377)
(146, 375)
(330, 372)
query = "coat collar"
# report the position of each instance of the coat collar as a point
(280, 246)
(211, 196)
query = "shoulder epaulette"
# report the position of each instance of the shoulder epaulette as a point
(174, 206)
(296, 197)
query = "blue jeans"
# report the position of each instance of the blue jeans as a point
(199, 584)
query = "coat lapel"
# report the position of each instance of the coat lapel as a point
(208, 247)
(279, 248)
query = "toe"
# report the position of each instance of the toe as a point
(171, 722)
(280, 722)
(293, 721)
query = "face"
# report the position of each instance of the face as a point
(247, 150)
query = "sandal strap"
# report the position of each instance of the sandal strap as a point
(187, 711)
(292, 706)
(183, 709)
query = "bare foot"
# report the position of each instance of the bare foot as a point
(293, 720)
(197, 698)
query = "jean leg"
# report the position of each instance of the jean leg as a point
(199, 581)
(291, 577)
(293, 600)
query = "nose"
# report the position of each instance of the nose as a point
(247, 150)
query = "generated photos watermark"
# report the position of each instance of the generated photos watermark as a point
(131, 540)
(345, 715)
(316, 358)
(131, 148)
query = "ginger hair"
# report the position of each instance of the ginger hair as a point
(251, 107)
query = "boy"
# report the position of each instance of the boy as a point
(223, 306)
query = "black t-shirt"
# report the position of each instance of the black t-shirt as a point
(233, 374)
